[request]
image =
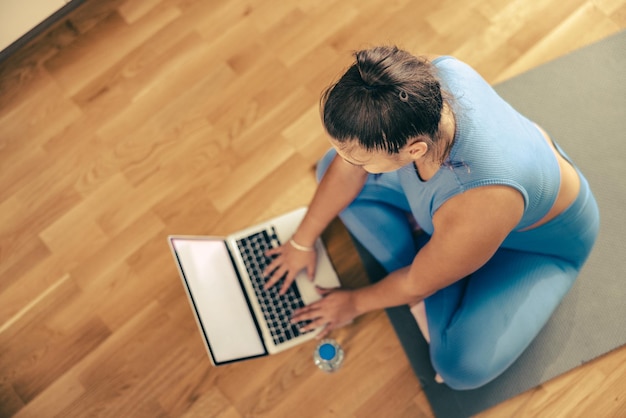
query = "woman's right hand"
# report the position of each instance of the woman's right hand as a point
(339, 186)
(288, 262)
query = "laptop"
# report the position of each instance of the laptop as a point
(222, 276)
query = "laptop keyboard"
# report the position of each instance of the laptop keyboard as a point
(277, 309)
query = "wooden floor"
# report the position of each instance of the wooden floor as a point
(132, 120)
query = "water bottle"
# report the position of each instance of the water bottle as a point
(328, 355)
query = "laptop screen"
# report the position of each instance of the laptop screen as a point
(218, 299)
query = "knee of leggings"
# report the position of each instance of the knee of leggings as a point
(464, 372)
(323, 163)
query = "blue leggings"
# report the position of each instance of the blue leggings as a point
(481, 324)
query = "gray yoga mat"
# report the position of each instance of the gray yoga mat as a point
(580, 99)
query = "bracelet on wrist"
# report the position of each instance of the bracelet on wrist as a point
(300, 247)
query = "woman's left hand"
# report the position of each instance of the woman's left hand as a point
(334, 310)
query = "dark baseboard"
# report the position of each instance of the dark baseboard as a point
(39, 29)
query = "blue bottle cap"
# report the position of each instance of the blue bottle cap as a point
(327, 351)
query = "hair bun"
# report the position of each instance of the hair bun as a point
(374, 65)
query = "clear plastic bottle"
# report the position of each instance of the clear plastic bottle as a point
(328, 355)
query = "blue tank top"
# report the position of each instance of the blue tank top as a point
(493, 145)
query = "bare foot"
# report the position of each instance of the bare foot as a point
(419, 313)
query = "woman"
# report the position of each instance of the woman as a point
(510, 219)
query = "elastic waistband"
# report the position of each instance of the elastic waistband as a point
(570, 235)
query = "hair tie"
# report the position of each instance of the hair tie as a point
(404, 96)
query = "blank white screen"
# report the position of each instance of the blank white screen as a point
(219, 299)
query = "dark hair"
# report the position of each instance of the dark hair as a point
(386, 98)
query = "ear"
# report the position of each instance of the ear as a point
(417, 149)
